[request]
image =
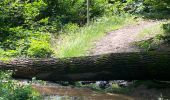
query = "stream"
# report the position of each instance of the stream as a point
(54, 91)
(69, 93)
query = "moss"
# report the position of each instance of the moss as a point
(101, 58)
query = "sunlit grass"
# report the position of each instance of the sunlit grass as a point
(151, 31)
(152, 37)
(79, 42)
(5, 59)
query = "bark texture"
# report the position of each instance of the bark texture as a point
(116, 66)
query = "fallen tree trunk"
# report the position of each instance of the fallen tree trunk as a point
(121, 66)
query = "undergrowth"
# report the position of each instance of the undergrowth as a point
(13, 90)
(78, 42)
(154, 36)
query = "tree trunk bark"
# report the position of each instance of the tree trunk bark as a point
(118, 66)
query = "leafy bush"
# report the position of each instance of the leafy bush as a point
(19, 21)
(13, 90)
(74, 11)
(18, 42)
(39, 49)
(138, 6)
(11, 13)
(32, 10)
(9, 53)
(125, 6)
(157, 4)
(70, 27)
(166, 27)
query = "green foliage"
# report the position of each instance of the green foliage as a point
(125, 6)
(134, 6)
(166, 28)
(18, 12)
(74, 11)
(13, 90)
(157, 4)
(32, 10)
(39, 49)
(19, 21)
(160, 35)
(22, 22)
(147, 45)
(10, 13)
(9, 53)
(139, 6)
(19, 42)
(24, 25)
(98, 8)
(70, 27)
(78, 42)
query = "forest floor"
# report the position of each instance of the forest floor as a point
(121, 40)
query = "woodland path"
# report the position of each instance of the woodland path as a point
(121, 40)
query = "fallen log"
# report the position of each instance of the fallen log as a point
(116, 66)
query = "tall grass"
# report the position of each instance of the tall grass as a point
(79, 42)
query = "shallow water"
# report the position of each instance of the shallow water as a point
(68, 93)
(53, 91)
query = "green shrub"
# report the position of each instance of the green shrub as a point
(9, 53)
(70, 27)
(157, 4)
(32, 9)
(18, 41)
(13, 90)
(166, 27)
(39, 49)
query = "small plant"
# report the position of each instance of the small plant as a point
(40, 49)
(166, 27)
(70, 27)
(13, 90)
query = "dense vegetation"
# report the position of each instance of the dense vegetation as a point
(57, 28)
(13, 90)
(77, 43)
(27, 27)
